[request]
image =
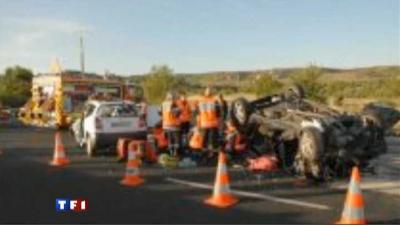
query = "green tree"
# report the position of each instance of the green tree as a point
(265, 84)
(15, 86)
(158, 82)
(308, 78)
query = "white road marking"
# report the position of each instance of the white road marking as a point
(253, 195)
(381, 185)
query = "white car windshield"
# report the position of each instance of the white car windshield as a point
(118, 110)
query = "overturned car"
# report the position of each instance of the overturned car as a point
(310, 139)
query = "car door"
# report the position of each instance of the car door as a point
(88, 120)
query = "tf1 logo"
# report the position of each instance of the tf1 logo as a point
(77, 205)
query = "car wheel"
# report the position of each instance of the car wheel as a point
(308, 157)
(295, 91)
(375, 119)
(90, 146)
(240, 112)
(377, 134)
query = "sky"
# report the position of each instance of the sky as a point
(129, 36)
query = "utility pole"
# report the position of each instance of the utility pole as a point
(82, 54)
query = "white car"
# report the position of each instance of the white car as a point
(104, 122)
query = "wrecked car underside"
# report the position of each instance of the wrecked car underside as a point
(311, 139)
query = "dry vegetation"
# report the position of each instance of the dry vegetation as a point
(340, 87)
(347, 88)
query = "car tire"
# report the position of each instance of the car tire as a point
(377, 141)
(90, 146)
(240, 113)
(310, 150)
(375, 119)
(295, 91)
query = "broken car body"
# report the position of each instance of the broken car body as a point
(310, 139)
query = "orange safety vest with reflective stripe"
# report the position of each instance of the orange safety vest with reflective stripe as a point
(196, 140)
(238, 140)
(169, 120)
(198, 121)
(186, 111)
(208, 112)
(162, 141)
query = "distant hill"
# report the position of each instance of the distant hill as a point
(283, 73)
(237, 80)
(366, 73)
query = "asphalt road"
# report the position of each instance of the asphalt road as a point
(29, 187)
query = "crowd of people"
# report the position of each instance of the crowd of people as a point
(200, 127)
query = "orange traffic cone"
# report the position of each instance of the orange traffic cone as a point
(59, 157)
(221, 195)
(353, 212)
(132, 177)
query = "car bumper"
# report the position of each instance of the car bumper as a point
(110, 140)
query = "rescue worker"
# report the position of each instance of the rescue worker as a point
(161, 141)
(224, 107)
(209, 118)
(170, 113)
(224, 114)
(141, 103)
(143, 109)
(236, 144)
(196, 141)
(184, 118)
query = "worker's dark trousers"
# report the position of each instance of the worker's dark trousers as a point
(185, 128)
(174, 139)
(211, 136)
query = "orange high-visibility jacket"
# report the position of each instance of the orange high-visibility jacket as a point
(196, 140)
(238, 140)
(198, 121)
(169, 119)
(162, 141)
(208, 112)
(186, 111)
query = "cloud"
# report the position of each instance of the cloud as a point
(34, 41)
(24, 32)
(27, 38)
